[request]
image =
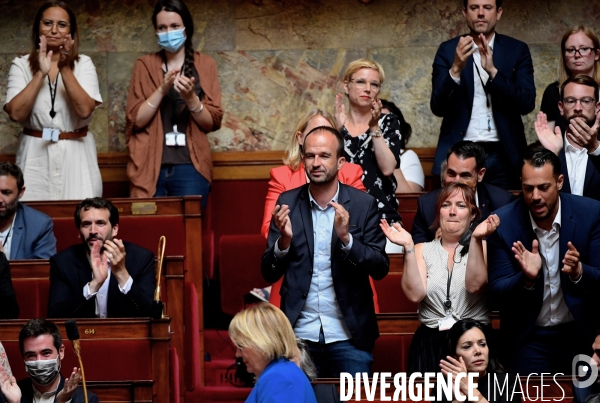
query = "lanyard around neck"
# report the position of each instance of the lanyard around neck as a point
(53, 94)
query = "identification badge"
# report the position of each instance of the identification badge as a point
(175, 138)
(50, 134)
(446, 323)
(487, 123)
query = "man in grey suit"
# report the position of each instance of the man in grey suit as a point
(25, 233)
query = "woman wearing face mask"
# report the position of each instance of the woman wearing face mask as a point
(446, 277)
(52, 92)
(469, 351)
(174, 101)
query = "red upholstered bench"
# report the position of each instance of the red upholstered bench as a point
(391, 297)
(391, 353)
(32, 296)
(239, 267)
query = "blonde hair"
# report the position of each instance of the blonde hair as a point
(356, 65)
(293, 153)
(563, 72)
(264, 328)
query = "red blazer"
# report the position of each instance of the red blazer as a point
(283, 179)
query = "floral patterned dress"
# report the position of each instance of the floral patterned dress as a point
(4, 360)
(359, 150)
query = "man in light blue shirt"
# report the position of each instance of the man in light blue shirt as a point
(326, 242)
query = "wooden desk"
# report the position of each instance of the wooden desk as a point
(154, 332)
(407, 323)
(172, 287)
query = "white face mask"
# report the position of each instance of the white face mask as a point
(43, 372)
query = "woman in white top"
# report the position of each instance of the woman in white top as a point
(52, 93)
(410, 175)
(447, 276)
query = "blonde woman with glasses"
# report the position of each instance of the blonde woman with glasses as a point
(372, 139)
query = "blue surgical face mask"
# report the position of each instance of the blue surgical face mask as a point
(171, 41)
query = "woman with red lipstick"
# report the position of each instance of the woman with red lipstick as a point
(372, 138)
(446, 277)
(579, 54)
(469, 350)
(52, 93)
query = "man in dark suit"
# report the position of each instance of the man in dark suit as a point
(578, 149)
(104, 276)
(325, 240)
(544, 271)
(25, 233)
(482, 84)
(42, 350)
(465, 163)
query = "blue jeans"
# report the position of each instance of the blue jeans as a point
(341, 356)
(182, 180)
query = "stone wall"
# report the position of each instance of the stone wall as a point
(278, 58)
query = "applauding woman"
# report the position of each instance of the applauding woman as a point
(174, 101)
(447, 276)
(52, 92)
(372, 140)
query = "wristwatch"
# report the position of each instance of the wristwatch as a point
(377, 133)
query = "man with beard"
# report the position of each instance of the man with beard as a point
(25, 233)
(578, 148)
(104, 276)
(325, 240)
(544, 271)
(43, 351)
(481, 85)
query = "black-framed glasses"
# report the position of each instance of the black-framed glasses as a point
(361, 83)
(583, 51)
(60, 25)
(586, 102)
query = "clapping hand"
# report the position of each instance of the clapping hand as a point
(486, 227)
(281, 218)
(44, 57)
(71, 384)
(65, 52)
(583, 135)
(572, 266)
(340, 112)
(531, 262)
(397, 234)
(551, 140)
(464, 50)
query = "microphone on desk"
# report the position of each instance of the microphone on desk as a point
(73, 335)
(157, 304)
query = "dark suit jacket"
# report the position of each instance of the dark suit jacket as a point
(591, 184)
(512, 92)
(77, 397)
(9, 308)
(490, 198)
(33, 236)
(70, 271)
(350, 272)
(519, 307)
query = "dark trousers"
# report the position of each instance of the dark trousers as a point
(498, 171)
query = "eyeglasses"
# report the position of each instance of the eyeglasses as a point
(60, 25)
(583, 51)
(586, 102)
(361, 83)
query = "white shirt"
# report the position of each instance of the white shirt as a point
(554, 310)
(6, 238)
(577, 159)
(481, 115)
(411, 167)
(102, 294)
(47, 397)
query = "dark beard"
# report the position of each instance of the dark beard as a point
(10, 209)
